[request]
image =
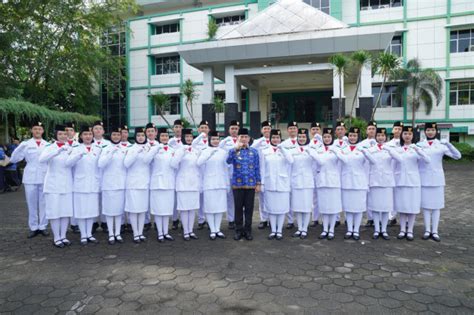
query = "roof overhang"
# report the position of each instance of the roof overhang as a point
(217, 53)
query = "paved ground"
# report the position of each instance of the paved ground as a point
(224, 276)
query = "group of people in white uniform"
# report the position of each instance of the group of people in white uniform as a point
(317, 173)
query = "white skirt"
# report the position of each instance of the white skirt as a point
(113, 202)
(302, 200)
(432, 197)
(277, 202)
(354, 200)
(407, 199)
(86, 205)
(188, 200)
(162, 201)
(58, 205)
(137, 200)
(329, 200)
(380, 199)
(215, 201)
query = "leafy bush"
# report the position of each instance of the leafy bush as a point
(466, 150)
(356, 122)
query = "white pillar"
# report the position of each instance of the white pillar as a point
(366, 81)
(253, 100)
(231, 92)
(335, 92)
(208, 85)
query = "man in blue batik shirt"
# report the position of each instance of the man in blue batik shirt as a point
(245, 182)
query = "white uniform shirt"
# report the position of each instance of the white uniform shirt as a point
(329, 169)
(84, 159)
(275, 168)
(432, 173)
(407, 172)
(110, 162)
(137, 161)
(381, 171)
(353, 173)
(163, 172)
(302, 176)
(175, 143)
(215, 168)
(188, 176)
(58, 179)
(260, 144)
(30, 151)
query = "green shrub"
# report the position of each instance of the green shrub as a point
(356, 122)
(466, 150)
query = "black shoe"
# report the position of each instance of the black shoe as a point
(410, 237)
(161, 238)
(401, 235)
(43, 232)
(104, 227)
(111, 240)
(32, 234)
(119, 239)
(314, 224)
(304, 235)
(356, 236)
(75, 229)
(58, 244)
(95, 226)
(348, 235)
(66, 242)
(212, 236)
(289, 226)
(232, 225)
(330, 236)
(92, 240)
(369, 223)
(147, 227)
(296, 234)
(193, 236)
(123, 227)
(272, 236)
(262, 225)
(435, 237)
(169, 237)
(136, 239)
(323, 235)
(175, 225)
(393, 222)
(248, 236)
(337, 223)
(376, 235)
(385, 236)
(426, 236)
(237, 236)
(220, 235)
(279, 236)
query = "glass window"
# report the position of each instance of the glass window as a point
(379, 4)
(462, 41)
(396, 46)
(166, 28)
(230, 20)
(167, 65)
(461, 93)
(387, 98)
(322, 5)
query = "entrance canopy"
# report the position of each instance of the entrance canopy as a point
(290, 30)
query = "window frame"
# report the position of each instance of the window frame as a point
(393, 100)
(167, 28)
(228, 20)
(318, 4)
(366, 5)
(167, 64)
(458, 39)
(458, 89)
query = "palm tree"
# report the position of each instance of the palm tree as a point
(218, 107)
(339, 62)
(162, 104)
(190, 94)
(424, 85)
(359, 59)
(385, 65)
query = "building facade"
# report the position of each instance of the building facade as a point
(269, 60)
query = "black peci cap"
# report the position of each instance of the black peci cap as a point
(70, 124)
(327, 131)
(275, 132)
(139, 129)
(372, 123)
(292, 124)
(234, 123)
(187, 131)
(213, 133)
(303, 131)
(115, 129)
(431, 125)
(381, 130)
(398, 124)
(243, 131)
(204, 122)
(162, 130)
(315, 124)
(37, 124)
(354, 130)
(98, 123)
(407, 128)
(266, 123)
(85, 129)
(60, 128)
(178, 122)
(340, 124)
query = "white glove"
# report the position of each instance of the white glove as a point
(318, 137)
(372, 142)
(444, 141)
(345, 139)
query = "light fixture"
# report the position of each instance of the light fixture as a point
(310, 62)
(265, 66)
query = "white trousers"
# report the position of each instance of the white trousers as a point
(261, 207)
(230, 206)
(36, 205)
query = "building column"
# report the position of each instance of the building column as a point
(255, 116)
(366, 99)
(208, 110)
(335, 98)
(231, 111)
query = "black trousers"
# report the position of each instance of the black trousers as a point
(243, 202)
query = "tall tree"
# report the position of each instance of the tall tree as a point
(340, 64)
(359, 59)
(51, 53)
(385, 65)
(423, 85)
